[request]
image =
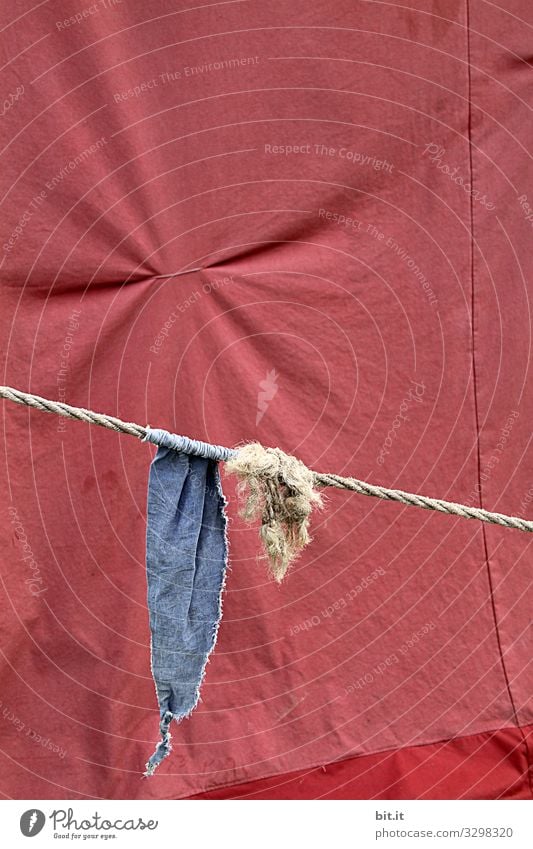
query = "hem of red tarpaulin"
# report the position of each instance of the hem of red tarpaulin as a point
(495, 740)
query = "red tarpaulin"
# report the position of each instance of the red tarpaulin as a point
(305, 224)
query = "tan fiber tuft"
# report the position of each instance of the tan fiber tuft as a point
(280, 489)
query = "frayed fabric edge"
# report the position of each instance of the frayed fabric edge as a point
(164, 747)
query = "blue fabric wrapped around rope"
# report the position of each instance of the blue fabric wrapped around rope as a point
(187, 445)
(186, 562)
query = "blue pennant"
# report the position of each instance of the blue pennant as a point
(186, 561)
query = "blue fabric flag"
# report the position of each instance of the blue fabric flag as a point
(186, 561)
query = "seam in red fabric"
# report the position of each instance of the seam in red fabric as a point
(476, 405)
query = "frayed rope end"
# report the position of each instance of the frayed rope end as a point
(280, 489)
(163, 748)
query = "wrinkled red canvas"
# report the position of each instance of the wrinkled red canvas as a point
(305, 224)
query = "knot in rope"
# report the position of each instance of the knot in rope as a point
(281, 490)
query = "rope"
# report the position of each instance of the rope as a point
(423, 501)
(218, 452)
(78, 413)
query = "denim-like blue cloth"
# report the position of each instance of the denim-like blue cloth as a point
(186, 559)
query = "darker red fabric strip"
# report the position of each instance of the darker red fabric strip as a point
(481, 766)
